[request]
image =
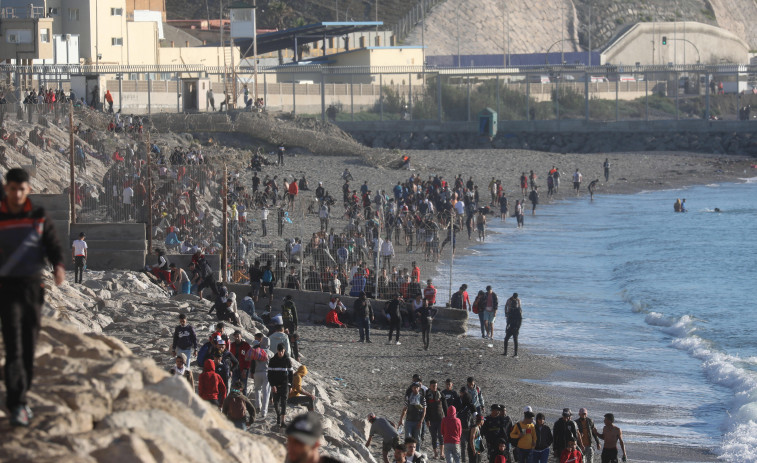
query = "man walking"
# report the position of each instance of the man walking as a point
(563, 431)
(586, 431)
(577, 177)
(27, 237)
(184, 340)
(606, 166)
(490, 304)
(363, 317)
(79, 253)
(514, 318)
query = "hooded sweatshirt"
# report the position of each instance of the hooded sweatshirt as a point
(297, 382)
(211, 385)
(451, 427)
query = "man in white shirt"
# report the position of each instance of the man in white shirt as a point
(79, 255)
(577, 177)
(127, 195)
(264, 220)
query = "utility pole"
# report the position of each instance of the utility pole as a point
(71, 160)
(255, 46)
(562, 35)
(675, 35)
(225, 255)
(588, 62)
(223, 50)
(453, 219)
(149, 194)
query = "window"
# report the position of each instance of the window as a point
(241, 15)
(117, 41)
(44, 35)
(133, 76)
(116, 11)
(52, 12)
(73, 14)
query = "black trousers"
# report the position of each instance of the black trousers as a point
(280, 400)
(512, 334)
(20, 315)
(80, 262)
(394, 324)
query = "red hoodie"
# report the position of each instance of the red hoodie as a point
(211, 385)
(569, 456)
(451, 427)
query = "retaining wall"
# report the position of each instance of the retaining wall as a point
(312, 307)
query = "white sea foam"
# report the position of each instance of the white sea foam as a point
(739, 443)
(749, 180)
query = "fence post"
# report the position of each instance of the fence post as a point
(323, 97)
(149, 96)
(265, 90)
(738, 93)
(617, 95)
(294, 97)
(439, 95)
(528, 98)
(381, 97)
(586, 96)
(178, 94)
(352, 97)
(410, 97)
(120, 78)
(497, 107)
(557, 99)
(71, 160)
(675, 85)
(646, 94)
(707, 97)
(467, 99)
(225, 255)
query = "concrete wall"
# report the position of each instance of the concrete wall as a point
(58, 210)
(112, 246)
(313, 306)
(700, 42)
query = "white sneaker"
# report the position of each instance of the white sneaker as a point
(398, 343)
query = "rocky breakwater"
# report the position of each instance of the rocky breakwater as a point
(102, 392)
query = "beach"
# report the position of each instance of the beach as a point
(375, 376)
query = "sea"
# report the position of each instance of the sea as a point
(666, 301)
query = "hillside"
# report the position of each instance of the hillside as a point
(534, 26)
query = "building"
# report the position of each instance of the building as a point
(677, 43)
(145, 5)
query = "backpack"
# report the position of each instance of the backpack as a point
(456, 302)
(514, 440)
(237, 409)
(478, 442)
(474, 307)
(202, 354)
(267, 276)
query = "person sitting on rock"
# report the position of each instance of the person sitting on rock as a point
(182, 370)
(211, 387)
(298, 395)
(332, 318)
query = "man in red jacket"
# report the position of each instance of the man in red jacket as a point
(239, 348)
(211, 387)
(429, 293)
(451, 432)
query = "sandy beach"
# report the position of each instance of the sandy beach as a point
(375, 376)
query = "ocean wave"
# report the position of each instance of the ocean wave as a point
(749, 180)
(739, 442)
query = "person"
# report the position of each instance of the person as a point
(606, 166)
(279, 336)
(260, 355)
(298, 395)
(519, 213)
(332, 317)
(364, 316)
(490, 304)
(248, 306)
(395, 318)
(182, 369)
(429, 293)
(452, 431)
(556, 175)
(592, 186)
(543, 440)
(425, 315)
(563, 430)
(184, 340)
(415, 410)
(211, 99)
(481, 225)
(289, 318)
(514, 318)
(280, 378)
(435, 406)
(677, 205)
(493, 430)
(109, 100)
(460, 299)
(586, 431)
(211, 386)
(79, 255)
(386, 430)
(476, 441)
(524, 432)
(612, 435)
(534, 198)
(238, 408)
(477, 398)
(27, 237)
(304, 438)
(500, 453)
(450, 395)
(571, 454)
(478, 308)
(683, 205)
(577, 177)
(240, 350)
(412, 454)
(179, 279)
(281, 151)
